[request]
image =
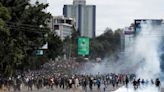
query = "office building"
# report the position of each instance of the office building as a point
(63, 26)
(140, 22)
(84, 15)
(129, 36)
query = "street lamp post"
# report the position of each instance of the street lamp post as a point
(70, 47)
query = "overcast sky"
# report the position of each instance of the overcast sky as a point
(116, 13)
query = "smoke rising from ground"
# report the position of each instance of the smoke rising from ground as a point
(142, 58)
(147, 54)
(147, 50)
(148, 88)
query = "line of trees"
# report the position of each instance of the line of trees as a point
(107, 44)
(23, 30)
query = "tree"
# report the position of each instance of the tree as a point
(4, 36)
(117, 35)
(26, 29)
(55, 46)
(107, 44)
(4, 16)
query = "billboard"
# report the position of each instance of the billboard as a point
(83, 46)
(138, 23)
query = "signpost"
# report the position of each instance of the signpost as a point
(83, 46)
(39, 52)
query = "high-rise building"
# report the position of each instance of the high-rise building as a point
(84, 15)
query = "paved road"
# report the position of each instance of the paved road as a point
(108, 89)
(162, 89)
(79, 89)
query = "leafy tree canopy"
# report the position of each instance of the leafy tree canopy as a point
(25, 26)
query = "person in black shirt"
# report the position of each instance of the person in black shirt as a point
(126, 81)
(135, 84)
(90, 83)
(1, 82)
(157, 83)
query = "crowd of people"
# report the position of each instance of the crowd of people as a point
(55, 75)
(137, 83)
(65, 81)
(60, 66)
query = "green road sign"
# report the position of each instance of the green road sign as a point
(83, 46)
(39, 52)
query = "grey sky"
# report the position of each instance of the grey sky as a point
(116, 13)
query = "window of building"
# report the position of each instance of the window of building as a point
(60, 21)
(55, 21)
(56, 27)
(68, 21)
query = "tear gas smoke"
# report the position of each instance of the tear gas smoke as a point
(146, 50)
(147, 56)
(148, 88)
(142, 58)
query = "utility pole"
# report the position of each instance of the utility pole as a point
(70, 47)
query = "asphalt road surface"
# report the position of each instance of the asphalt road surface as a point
(79, 89)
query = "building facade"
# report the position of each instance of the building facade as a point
(63, 26)
(131, 32)
(84, 15)
(129, 36)
(140, 22)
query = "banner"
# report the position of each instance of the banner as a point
(83, 46)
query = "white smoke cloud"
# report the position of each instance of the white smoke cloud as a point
(146, 49)
(143, 58)
(148, 88)
(146, 52)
